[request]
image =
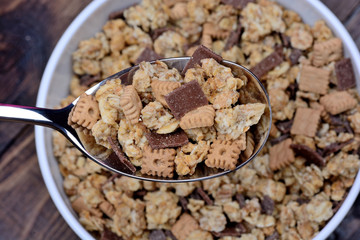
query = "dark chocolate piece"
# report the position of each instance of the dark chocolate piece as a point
(147, 55)
(169, 234)
(234, 231)
(294, 56)
(204, 196)
(279, 139)
(302, 201)
(200, 53)
(238, 4)
(157, 235)
(284, 127)
(187, 46)
(285, 40)
(267, 205)
(335, 147)
(233, 38)
(268, 63)
(175, 139)
(107, 234)
(120, 155)
(159, 31)
(186, 98)
(345, 74)
(274, 236)
(139, 193)
(291, 90)
(310, 155)
(240, 199)
(183, 203)
(87, 80)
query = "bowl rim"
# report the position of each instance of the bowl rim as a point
(60, 204)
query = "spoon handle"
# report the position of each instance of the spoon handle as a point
(54, 118)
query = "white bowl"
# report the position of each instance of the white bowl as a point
(55, 86)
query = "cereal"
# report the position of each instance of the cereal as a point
(85, 113)
(184, 226)
(314, 79)
(223, 154)
(131, 104)
(338, 102)
(200, 117)
(328, 51)
(281, 155)
(158, 162)
(305, 122)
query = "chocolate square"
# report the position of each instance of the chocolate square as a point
(147, 55)
(345, 74)
(234, 37)
(186, 98)
(175, 139)
(200, 53)
(267, 64)
(118, 159)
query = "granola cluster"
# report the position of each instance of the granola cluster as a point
(289, 191)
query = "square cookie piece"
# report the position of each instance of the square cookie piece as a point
(338, 102)
(314, 79)
(306, 122)
(184, 226)
(186, 98)
(281, 155)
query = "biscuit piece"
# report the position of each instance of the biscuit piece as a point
(314, 79)
(281, 155)
(200, 117)
(161, 88)
(131, 104)
(184, 226)
(338, 102)
(158, 162)
(250, 146)
(328, 51)
(85, 113)
(223, 154)
(306, 122)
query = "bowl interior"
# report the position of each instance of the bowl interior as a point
(56, 79)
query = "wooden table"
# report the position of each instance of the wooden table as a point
(29, 31)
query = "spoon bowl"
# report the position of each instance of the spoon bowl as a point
(58, 120)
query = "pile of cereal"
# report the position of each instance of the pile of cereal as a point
(298, 181)
(175, 108)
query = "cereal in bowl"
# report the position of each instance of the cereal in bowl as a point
(289, 191)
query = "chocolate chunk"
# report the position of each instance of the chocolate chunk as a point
(175, 139)
(157, 235)
(169, 234)
(240, 199)
(87, 80)
(279, 139)
(274, 236)
(123, 160)
(187, 46)
(345, 74)
(140, 193)
(234, 37)
(267, 64)
(267, 205)
(291, 90)
(285, 40)
(204, 196)
(200, 53)
(285, 126)
(335, 147)
(147, 55)
(302, 201)
(239, 4)
(157, 32)
(234, 231)
(310, 155)
(109, 235)
(294, 56)
(186, 98)
(183, 203)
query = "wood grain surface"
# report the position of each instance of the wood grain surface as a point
(29, 30)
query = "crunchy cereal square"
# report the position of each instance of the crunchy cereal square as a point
(338, 102)
(328, 51)
(306, 122)
(314, 79)
(184, 226)
(281, 155)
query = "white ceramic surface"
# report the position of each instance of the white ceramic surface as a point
(55, 84)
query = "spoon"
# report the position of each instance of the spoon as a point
(58, 120)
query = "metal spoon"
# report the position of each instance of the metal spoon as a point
(57, 119)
